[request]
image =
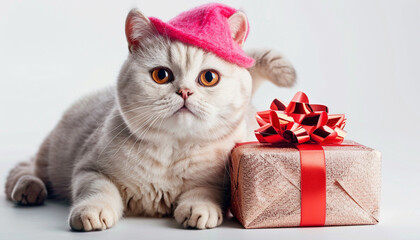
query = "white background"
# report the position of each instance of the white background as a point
(360, 58)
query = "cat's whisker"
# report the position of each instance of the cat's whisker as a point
(150, 117)
(141, 137)
(126, 112)
(115, 136)
(150, 125)
(117, 115)
(138, 136)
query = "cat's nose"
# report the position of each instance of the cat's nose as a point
(184, 93)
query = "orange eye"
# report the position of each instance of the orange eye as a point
(162, 75)
(208, 78)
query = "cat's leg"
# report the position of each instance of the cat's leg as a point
(27, 181)
(272, 66)
(24, 187)
(199, 208)
(97, 203)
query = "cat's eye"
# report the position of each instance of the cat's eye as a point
(162, 75)
(208, 78)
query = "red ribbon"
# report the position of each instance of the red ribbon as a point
(312, 185)
(300, 122)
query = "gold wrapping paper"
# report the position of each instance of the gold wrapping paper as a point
(265, 185)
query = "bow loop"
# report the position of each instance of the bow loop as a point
(299, 122)
(277, 105)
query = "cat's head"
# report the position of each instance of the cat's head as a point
(181, 89)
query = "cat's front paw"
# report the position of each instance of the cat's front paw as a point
(89, 216)
(199, 215)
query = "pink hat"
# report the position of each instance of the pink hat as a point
(206, 27)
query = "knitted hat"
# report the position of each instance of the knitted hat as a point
(206, 27)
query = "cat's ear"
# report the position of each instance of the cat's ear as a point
(238, 24)
(137, 27)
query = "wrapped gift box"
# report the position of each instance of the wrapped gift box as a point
(266, 185)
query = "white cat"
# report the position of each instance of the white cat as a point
(158, 142)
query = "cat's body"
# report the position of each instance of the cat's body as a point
(142, 148)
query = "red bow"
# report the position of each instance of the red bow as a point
(299, 122)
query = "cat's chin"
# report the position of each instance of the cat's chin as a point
(183, 119)
(184, 116)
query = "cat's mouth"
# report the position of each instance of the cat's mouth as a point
(184, 109)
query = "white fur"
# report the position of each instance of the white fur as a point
(127, 150)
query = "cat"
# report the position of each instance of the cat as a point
(157, 143)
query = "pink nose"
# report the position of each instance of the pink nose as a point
(184, 93)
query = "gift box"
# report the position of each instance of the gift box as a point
(293, 178)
